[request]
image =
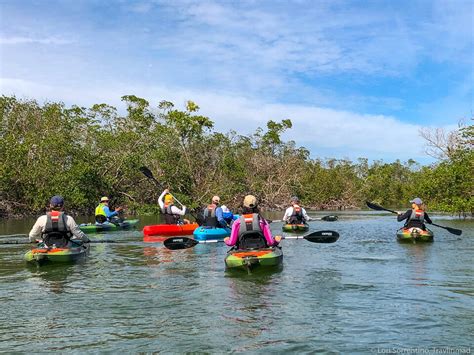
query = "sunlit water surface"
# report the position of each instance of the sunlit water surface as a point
(364, 293)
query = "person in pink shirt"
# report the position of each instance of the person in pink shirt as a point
(250, 222)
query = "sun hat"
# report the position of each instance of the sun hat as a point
(104, 199)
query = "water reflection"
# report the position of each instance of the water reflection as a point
(251, 298)
(52, 277)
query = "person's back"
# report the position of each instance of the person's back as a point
(56, 228)
(250, 234)
(415, 216)
(295, 214)
(251, 230)
(213, 215)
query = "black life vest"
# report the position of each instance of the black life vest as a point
(55, 230)
(297, 215)
(250, 234)
(171, 218)
(210, 219)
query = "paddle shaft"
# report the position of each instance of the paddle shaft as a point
(314, 237)
(310, 219)
(28, 242)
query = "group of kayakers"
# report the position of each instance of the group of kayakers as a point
(250, 229)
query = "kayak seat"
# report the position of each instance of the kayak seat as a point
(252, 240)
(100, 219)
(57, 239)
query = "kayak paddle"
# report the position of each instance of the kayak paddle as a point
(149, 175)
(380, 208)
(330, 218)
(314, 237)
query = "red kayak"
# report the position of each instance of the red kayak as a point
(165, 230)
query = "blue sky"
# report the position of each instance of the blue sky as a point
(357, 78)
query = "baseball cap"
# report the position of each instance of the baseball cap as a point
(250, 201)
(56, 201)
(104, 199)
(417, 201)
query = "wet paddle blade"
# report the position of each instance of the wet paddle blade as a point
(449, 229)
(180, 243)
(329, 218)
(378, 208)
(322, 237)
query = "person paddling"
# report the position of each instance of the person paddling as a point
(251, 230)
(103, 213)
(213, 214)
(415, 216)
(172, 213)
(55, 228)
(295, 214)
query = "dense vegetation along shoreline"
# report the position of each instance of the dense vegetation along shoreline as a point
(84, 153)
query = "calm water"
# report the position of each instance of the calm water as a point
(365, 293)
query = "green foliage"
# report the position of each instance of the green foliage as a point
(84, 153)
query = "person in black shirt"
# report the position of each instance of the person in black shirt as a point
(415, 216)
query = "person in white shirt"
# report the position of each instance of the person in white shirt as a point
(295, 214)
(172, 213)
(56, 228)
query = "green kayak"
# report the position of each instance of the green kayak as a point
(107, 227)
(250, 259)
(295, 228)
(414, 235)
(42, 255)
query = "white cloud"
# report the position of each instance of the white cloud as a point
(31, 40)
(345, 133)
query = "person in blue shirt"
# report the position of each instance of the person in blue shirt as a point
(227, 214)
(213, 215)
(103, 213)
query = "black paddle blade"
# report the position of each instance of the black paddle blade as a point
(373, 206)
(180, 243)
(329, 218)
(322, 237)
(146, 172)
(449, 229)
(378, 208)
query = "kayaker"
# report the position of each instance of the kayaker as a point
(55, 227)
(250, 222)
(415, 216)
(227, 214)
(103, 213)
(213, 215)
(295, 214)
(172, 213)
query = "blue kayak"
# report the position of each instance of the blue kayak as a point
(210, 233)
